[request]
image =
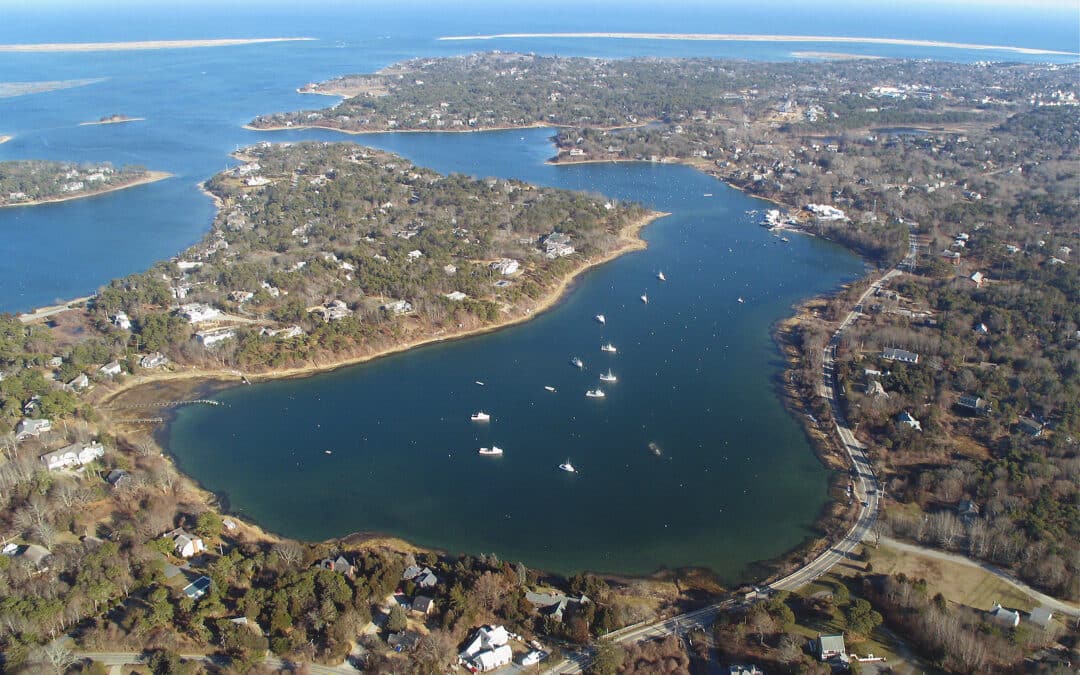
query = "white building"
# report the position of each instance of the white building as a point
(456, 296)
(155, 360)
(826, 212)
(111, 369)
(197, 312)
(72, 456)
(1005, 617)
(906, 418)
(488, 648)
(397, 307)
(122, 321)
(209, 338)
(506, 266)
(186, 545)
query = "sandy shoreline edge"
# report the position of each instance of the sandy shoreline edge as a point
(150, 177)
(746, 37)
(140, 45)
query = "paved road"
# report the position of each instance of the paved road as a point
(1047, 600)
(866, 490)
(52, 310)
(135, 658)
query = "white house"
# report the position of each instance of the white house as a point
(456, 296)
(496, 658)
(826, 212)
(506, 266)
(488, 648)
(28, 428)
(79, 383)
(122, 321)
(111, 369)
(197, 312)
(830, 647)
(903, 355)
(333, 311)
(74, 455)
(186, 545)
(906, 418)
(397, 307)
(209, 338)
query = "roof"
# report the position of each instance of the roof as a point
(1041, 616)
(423, 603)
(489, 660)
(35, 554)
(196, 589)
(832, 643)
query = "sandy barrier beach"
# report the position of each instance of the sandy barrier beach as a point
(740, 37)
(140, 45)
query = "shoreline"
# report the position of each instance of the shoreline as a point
(631, 241)
(150, 177)
(361, 132)
(750, 37)
(116, 121)
(140, 45)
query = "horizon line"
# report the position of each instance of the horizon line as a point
(749, 37)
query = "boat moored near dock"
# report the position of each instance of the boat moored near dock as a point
(492, 451)
(595, 393)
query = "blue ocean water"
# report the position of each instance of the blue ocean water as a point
(738, 481)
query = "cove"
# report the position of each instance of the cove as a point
(737, 481)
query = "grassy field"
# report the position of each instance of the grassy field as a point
(961, 584)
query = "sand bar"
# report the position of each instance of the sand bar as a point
(141, 45)
(741, 37)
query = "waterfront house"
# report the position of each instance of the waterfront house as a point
(72, 456)
(338, 564)
(155, 360)
(554, 604)
(209, 338)
(893, 354)
(426, 579)
(751, 669)
(335, 310)
(422, 604)
(27, 428)
(557, 245)
(111, 369)
(229, 524)
(198, 588)
(487, 649)
(185, 545)
(831, 647)
(1005, 617)
(411, 572)
(397, 307)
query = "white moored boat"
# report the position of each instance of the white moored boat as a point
(741, 301)
(660, 276)
(480, 417)
(568, 467)
(549, 387)
(645, 298)
(601, 318)
(493, 450)
(595, 393)
(577, 363)
(608, 377)
(608, 348)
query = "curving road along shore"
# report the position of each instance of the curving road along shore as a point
(866, 490)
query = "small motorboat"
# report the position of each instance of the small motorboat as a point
(654, 449)
(493, 450)
(741, 301)
(479, 383)
(645, 298)
(549, 388)
(610, 348)
(480, 417)
(660, 276)
(601, 318)
(595, 393)
(329, 452)
(568, 467)
(608, 377)
(577, 363)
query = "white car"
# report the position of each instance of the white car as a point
(532, 658)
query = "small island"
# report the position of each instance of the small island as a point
(115, 118)
(32, 182)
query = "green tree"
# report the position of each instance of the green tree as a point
(397, 620)
(862, 618)
(608, 659)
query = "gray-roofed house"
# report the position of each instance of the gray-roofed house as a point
(875, 390)
(79, 383)
(906, 418)
(1031, 427)
(831, 647)
(198, 588)
(974, 404)
(405, 641)
(751, 669)
(339, 564)
(186, 545)
(155, 360)
(903, 355)
(554, 604)
(72, 456)
(117, 478)
(1005, 617)
(111, 369)
(426, 579)
(27, 428)
(36, 556)
(410, 573)
(1041, 616)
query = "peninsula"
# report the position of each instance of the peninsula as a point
(33, 182)
(140, 45)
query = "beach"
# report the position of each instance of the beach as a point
(139, 45)
(740, 37)
(118, 120)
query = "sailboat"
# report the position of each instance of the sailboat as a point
(601, 318)
(660, 276)
(568, 467)
(645, 298)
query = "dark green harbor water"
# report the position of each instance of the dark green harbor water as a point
(736, 482)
